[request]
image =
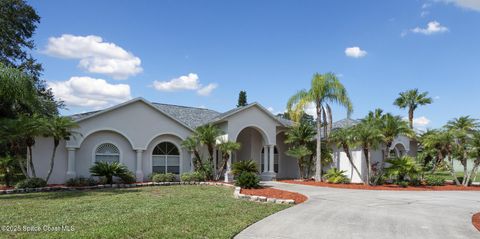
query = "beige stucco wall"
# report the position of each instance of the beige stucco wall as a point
(42, 152)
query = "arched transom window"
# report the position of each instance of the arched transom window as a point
(166, 158)
(107, 153)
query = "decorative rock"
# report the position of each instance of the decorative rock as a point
(101, 186)
(114, 185)
(9, 191)
(20, 190)
(262, 199)
(290, 201)
(254, 198)
(2, 191)
(271, 200)
(280, 201)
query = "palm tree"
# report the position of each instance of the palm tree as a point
(474, 153)
(324, 89)
(207, 135)
(300, 135)
(226, 148)
(59, 128)
(300, 152)
(411, 99)
(368, 136)
(343, 138)
(29, 128)
(191, 144)
(402, 167)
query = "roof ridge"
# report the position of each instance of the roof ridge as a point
(183, 106)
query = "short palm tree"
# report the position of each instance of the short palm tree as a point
(249, 166)
(343, 138)
(207, 135)
(368, 136)
(411, 99)
(58, 128)
(474, 153)
(191, 144)
(403, 167)
(324, 90)
(392, 127)
(226, 148)
(108, 170)
(300, 153)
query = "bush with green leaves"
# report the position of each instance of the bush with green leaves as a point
(108, 170)
(244, 166)
(403, 184)
(32, 183)
(415, 182)
(334, 175)
(402, 168)
(192, 177)
(163, 177)
(80, 182)
(128, 177)
(432, 180)
(248, 180)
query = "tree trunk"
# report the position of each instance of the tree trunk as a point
(452, 170)
(30, 161)
(349, 156)
(301, 168)
(410, 117)
(318, 161)
(22, 167)
(366, 153)
(222, 168)
(473, 172)
(52, 160)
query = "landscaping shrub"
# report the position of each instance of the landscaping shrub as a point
(80, 182)
(415, 182)
(248, 180)
(163, 177)
(128, 177)
(433, 180)
(402, 168)
(244, 166)
(108, 170)
(402, 184)
(31, 183)
(334, 175)
(192, 177)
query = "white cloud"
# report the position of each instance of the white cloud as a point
(355, 52)
(311, 109)
(432, 28)
(95, 55)
(89, 92)
(420, 122)
(466, 4)
(188, 82)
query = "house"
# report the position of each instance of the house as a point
(147, 137)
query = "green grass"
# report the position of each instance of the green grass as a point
(448, 176)
(148, 212)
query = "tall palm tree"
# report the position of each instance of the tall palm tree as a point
(324, 90)
(411, 99)
(226, 148)
(343, 138)
(59, 128)
(368, 136)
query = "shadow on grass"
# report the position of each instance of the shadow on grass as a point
(68, 194)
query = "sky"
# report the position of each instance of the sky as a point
(96, 54)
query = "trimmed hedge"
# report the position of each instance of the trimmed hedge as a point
(31, 183)
(163, 177)
(81, 182)
(433, 180)
(192, 177)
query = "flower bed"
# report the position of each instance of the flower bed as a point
(391, 187)
(476, 221)
(275, 193)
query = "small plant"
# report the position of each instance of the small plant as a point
(402, 184)
(244, 166)
(192, 177)
(80, 182)
(108, 170)
(334, 175)
(248, 180)
(163, 177)
(432, 180)
(402, 168)
(128, 177)
(415, 182)
(31, 183)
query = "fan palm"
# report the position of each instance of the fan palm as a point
(324, 89)
(108, 170)
(226, 148)
(249, 166)
(403, 167)
(411, 99)
(368, 136)
(58, 128)
(343, 138)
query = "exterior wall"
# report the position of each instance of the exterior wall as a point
(251, 146)
(42, 151)
(256, 118)
(341, 162)
(287, 166)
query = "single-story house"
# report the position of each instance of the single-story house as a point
(147, 137)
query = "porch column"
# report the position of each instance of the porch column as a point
(265, 158)
(139, 172)
(272, 158)
(71, 172)
(228, 173)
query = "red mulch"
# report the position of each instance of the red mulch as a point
(275, 193)
(476, 220)
(391, 187)
(5, 187)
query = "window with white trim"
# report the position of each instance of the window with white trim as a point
(107, 152)
(166, 158)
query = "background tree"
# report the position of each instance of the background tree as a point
(242, 99)
(368, 136)
(324, 89)
(411, 99)
(344, 138)
(299, 136)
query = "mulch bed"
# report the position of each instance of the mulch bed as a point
(5, 188)
(391, 187)
(476, 221)
(275, 193)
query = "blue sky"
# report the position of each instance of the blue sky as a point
(98, 53)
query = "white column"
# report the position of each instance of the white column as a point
(265, 158)
(215, 163)
(71, 172)
(139, 172)
(271, 158)
(228, 173)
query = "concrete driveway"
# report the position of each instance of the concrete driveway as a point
(344, 213)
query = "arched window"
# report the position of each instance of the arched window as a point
(107, 152)
(166, 158)
(275, 160)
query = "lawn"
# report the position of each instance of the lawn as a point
(148, 212)
(448, 176)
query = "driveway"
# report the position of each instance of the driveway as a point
(345, 213)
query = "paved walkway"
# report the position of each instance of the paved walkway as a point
(345, 213)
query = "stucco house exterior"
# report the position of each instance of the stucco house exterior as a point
(147, 137)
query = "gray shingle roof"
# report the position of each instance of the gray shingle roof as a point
(344, 123)
(79, 116)
(191, 116)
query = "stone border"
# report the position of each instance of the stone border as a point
(254, 198)
(133, 185)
